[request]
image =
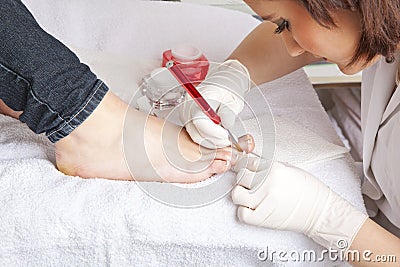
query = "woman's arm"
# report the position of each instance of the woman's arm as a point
(264, 54)
(375, 246)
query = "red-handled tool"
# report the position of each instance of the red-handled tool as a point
(198, 98)
(193, 92)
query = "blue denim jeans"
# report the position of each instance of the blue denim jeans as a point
(41, 77)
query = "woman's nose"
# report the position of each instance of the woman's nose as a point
(293, 48)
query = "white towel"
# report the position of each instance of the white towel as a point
(48, 218)
(293, 143)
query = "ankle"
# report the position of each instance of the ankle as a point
(87, 147)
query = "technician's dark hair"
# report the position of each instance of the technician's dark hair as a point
(380, 24)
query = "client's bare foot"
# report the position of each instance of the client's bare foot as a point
(96, 148)
(4, 109)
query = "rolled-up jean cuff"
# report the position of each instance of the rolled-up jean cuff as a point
(84, 111)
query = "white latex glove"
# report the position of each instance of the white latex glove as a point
(292, 199)
(223, 89)
(248, 161)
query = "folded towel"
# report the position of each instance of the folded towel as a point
(293, 143)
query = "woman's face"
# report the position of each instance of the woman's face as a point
(304, 34)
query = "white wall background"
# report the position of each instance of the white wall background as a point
(231, 4)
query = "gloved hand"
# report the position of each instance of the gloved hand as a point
(288, 198)
(223, 89)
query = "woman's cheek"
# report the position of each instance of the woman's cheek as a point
(309, 39)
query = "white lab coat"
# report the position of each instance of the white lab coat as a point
(380, 124)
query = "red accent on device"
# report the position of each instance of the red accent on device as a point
(192, 91)
(195, 70)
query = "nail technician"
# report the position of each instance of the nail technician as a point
(356, 35)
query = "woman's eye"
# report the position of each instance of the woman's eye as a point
(283, 25)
